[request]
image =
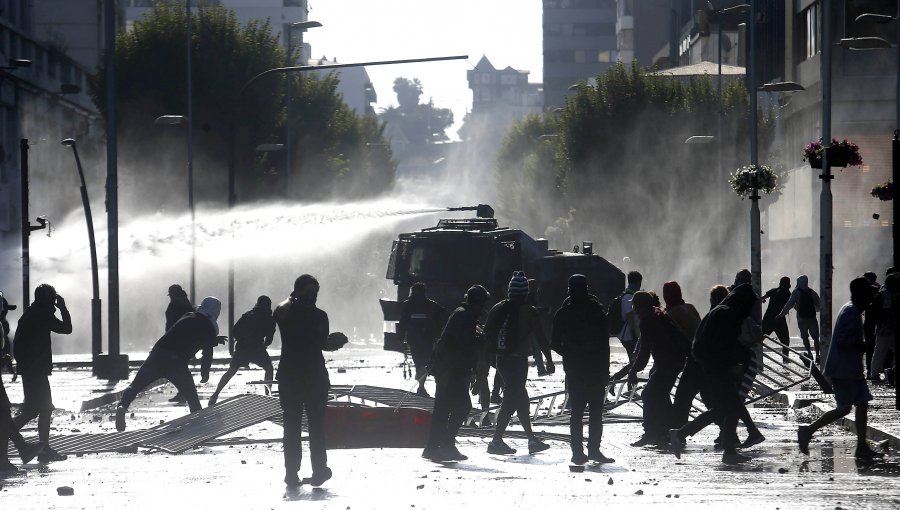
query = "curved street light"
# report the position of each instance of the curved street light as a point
(96, 333)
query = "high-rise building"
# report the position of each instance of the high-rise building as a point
(642, 26)
(579, 43)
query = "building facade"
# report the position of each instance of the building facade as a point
(642, 27)
(579, 43)
(504, 94)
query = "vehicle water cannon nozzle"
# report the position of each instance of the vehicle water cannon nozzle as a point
(481, 210)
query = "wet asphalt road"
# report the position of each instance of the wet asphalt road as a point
(249, 476)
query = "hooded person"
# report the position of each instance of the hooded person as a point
(686, 317)
(34, 358)
(580, 335)
(806, 302)
(303, 381)
(420, 324)
(844, 367)
(721, 355)
(169, 357)
(663, 340)
(508, 330)
(456, 354)
(179, 304)
(253, 332)
(771, 323)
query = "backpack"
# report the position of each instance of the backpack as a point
(614, 321)
(805, 306)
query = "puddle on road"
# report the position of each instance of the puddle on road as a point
(825, 457)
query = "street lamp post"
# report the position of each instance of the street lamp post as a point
(174, 120)
(755, 242)
(302, 26)
(232, 137)
(879, 43)
(826, 257)
(96, 331)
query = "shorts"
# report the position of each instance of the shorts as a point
(850, 392)
(243, 357)
(36, 389)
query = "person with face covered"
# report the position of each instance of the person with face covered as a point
(722, 357)
(508, 330)
(253, 332)
(581, 337)
(806, 302)
(420, 324)
(34, 359)
(844, 366)
(169, 357)
(303, 381)
(669, 347)
(456, 354)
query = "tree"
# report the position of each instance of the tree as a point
(617, 157)
(151, 78)
(420, 123)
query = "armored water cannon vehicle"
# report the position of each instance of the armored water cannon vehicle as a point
(461, 252)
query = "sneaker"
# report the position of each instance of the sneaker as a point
(596, 456)
(120, 418)
(320, 477)
(433, 453)
(29, 451)
(50, 455)
(292, 480)
(734, 458)
(864, 452)
(753, 440)
(804, 434)
(644, 441)
(422, 392)
(535, 445)
(7, 468)
(498, 447)
(578, 457)
(675, 442)
(178, 399)
(452, 453)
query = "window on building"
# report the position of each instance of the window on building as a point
(812, 30)
(604, 56)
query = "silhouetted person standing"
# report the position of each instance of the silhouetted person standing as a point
(844, 366)
(581, 337)
(5, 340)
(34, 357)
(806, 301)
(253, 332)
(771, 323)
(170, 356)
(453, 363)
(303, 381)
(421, 320)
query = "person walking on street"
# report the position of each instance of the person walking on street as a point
(508, 329)
(686, 318)
(870, 322)
(179, 305)
(581, 337)
(27, 451)
(625, 322)
(34, 359)
(5, 341)
(771, 323)
(453, 363)
(885, 339)
(253, 332)
(303, 381)
(169, 357)
(420, 324)
(806, 302)
(662, 339)
(844, 366)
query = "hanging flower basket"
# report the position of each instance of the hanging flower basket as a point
(884, 191)
(840, 154)
(750, 177)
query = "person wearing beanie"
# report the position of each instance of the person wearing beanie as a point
(34, 358)
(452, 365)
(778, 297)
(669, 347)
(421, 320)
(253, 332)
(844, 367)
(581, 337)
(508, 329)
(303, 381)
(169, 357)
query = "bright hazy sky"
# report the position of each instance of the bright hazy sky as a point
(508, 32)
